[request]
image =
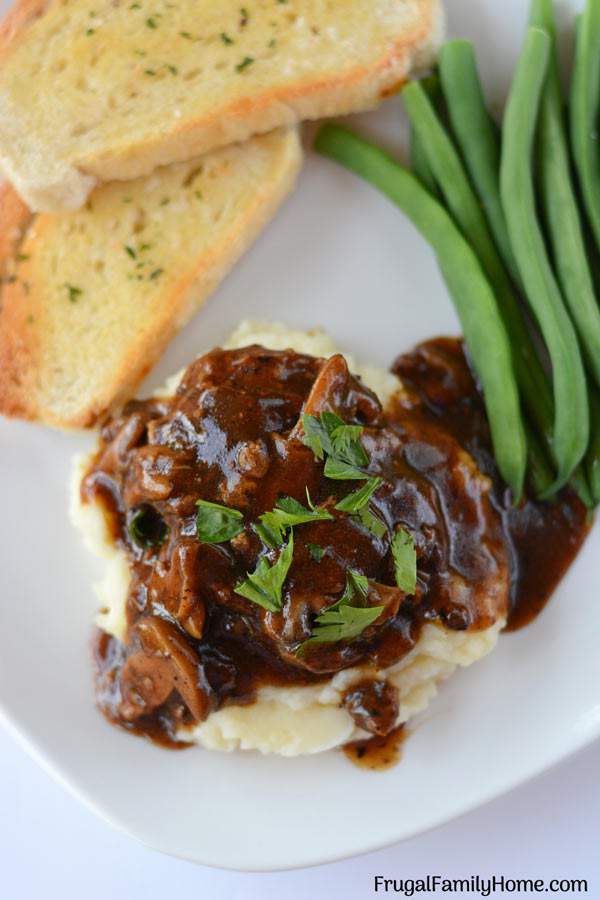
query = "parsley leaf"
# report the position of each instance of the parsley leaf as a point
(247, 61)
(372, 522)
(264, 586)
(405, 561)
(316, 552)
(342, 621)
(344, 624)
(287, 513)
(357, 586)
(147, 528)
(216, 524)
(74, 292)
(347, 445)
(339, 470)
(354, 502)
(328, 435)
(317, 431)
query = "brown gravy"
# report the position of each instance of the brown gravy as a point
(544, 538)
(229, 436)
(379, 752)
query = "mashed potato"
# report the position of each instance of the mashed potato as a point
(298, 720)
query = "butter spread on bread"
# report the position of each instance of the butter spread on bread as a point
(89, 299)
(97, 90)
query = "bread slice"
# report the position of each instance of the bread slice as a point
(89, 299)
(97, 90)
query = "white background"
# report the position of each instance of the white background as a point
(51, 848)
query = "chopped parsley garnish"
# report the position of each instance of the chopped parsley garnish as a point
(357, 585)
(339, 444)
(247, 61)
(216, 524)
(187, 35)
(372, 522)
(226, 39)
(244, 16)
(74, 292)
(344, 621)
(89, 31)
(172, 69)
(287, 513)
(151, 23)
(316, 552)
(149, 72)
(318, 431)
(156, 274)
(357, 500)
(130, 251)
(264, 586)
(147, 527)
(338, 470)
(405, 561)
(23, 257)
(347, 446)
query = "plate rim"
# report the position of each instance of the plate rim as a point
(40, 755)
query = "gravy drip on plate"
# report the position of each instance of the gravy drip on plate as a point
(379, 752)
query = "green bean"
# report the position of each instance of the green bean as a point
(473, 298)
(571, 417)
(420, 164)
(593, 454)
(585, 106)
(579, 484)
(539, 473)
(462, 202)
(418, 153)
(560, 206)
(477, 136)
(478, 139)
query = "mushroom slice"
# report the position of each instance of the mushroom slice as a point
(161, 639)
(146, 682)
(181, 591)
(336, 390)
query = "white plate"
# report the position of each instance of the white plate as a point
(340, 256)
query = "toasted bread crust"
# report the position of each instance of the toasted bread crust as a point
(14, 218)
(17, 343)
(27, 362)
(15, 23)
(357, 89)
